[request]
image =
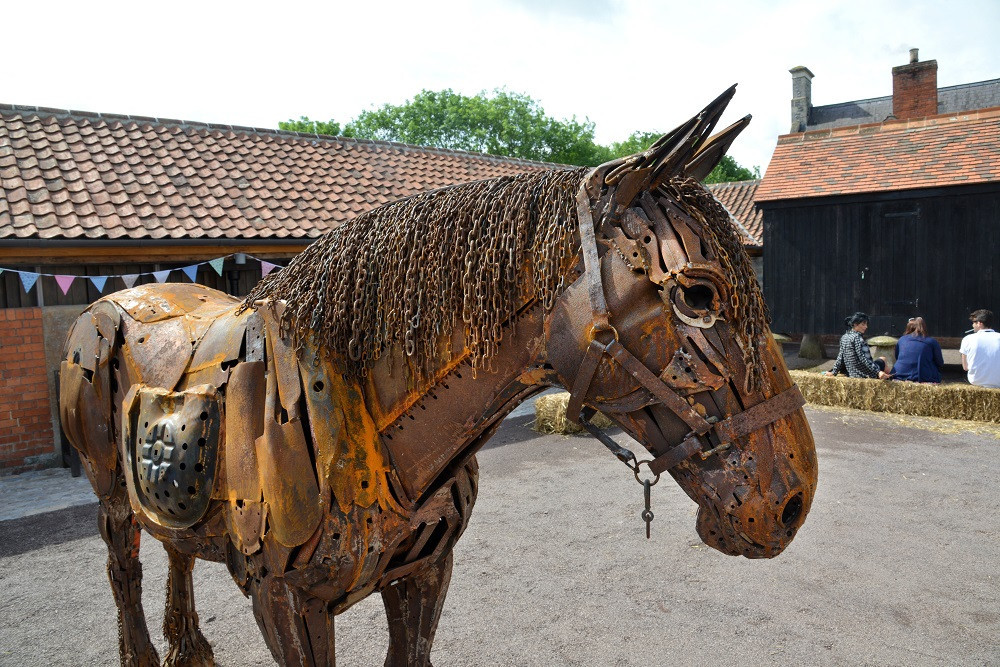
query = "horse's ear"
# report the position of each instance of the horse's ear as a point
(712, 151)
(669, 156)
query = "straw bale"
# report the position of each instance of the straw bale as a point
(550, 415)
(946, 401)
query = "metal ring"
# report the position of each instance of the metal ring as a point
(635, 471)
(597, 328)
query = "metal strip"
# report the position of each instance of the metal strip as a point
(761, 415)
(660, 390)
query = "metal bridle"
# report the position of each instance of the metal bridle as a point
(604, 342)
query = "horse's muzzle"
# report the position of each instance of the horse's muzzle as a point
(757, 515)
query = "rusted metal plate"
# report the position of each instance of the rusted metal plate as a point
(216, 349)
(283, 360)
(159, 351)
(157, 302)
(244, 424)
(288, 480)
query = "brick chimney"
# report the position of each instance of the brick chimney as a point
(801, 97)
(914, 88)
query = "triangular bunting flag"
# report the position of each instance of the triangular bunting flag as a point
(217, 264)
(191, 272)
(267, 267)
(64, 282)
(28, 279)
(129, 279)
(161, 276)
(99, 282)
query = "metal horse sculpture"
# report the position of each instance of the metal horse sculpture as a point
(319, 438)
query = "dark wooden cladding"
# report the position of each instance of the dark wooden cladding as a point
(932, 253)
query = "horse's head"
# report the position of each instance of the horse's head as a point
(665, 332)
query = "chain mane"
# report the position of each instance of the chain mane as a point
(415, 271)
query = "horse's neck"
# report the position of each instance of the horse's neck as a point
(447, 418)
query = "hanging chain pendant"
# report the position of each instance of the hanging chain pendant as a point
(647, 514)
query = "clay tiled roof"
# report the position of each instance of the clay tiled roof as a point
(77, 175)
(936, 151)
(738, 198)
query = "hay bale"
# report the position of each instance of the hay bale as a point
(550, 415)
(947, 401)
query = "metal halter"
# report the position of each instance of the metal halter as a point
(604, 341)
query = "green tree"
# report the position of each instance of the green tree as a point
(498, 123)
(304, 124)
(729, 170)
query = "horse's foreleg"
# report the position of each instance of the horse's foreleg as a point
(297, 628)
(121, 533)
(413, 606)
(188, 647)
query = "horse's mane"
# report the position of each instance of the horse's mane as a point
(466, 258)
(413, 271)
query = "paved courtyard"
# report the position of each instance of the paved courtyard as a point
(898, 564)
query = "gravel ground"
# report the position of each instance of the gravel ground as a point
(896, 565)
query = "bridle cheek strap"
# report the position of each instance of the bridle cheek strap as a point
(729, 430)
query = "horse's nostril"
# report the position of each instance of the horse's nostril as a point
(792, 511)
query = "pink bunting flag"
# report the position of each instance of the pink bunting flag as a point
(267, 267)
(64, 282)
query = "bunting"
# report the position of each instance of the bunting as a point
(28, 279)
(65, 281)
(191, 272)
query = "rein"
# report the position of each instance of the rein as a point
(604, 341)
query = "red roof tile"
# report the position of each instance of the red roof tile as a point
(66, 175)
(936, 151)
(738, 198)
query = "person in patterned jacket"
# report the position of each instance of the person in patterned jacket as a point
(855, 358)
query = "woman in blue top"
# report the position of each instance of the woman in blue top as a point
(918, 356)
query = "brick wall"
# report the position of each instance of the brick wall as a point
(26, 438)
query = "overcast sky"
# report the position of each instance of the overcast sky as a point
(624, 64)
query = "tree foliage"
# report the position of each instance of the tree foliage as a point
(304, 124)
(498, 123)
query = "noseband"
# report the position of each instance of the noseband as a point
(604, 341)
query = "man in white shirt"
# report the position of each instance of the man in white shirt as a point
(981, 351)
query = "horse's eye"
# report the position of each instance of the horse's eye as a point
(698, 297)
(697, 304)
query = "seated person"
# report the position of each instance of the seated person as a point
(855, 357)
(981, 351)
(918, 356)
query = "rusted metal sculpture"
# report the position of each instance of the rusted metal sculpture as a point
(319, 438)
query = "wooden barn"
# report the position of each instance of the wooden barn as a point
(889, 206)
